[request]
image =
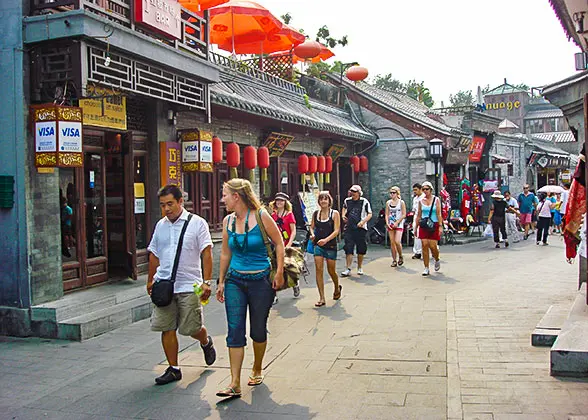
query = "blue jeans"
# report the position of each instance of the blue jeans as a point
(244, 291)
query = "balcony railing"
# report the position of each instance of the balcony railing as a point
(194, 32)
(249, 68)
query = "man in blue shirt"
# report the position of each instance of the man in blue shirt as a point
(527, 204)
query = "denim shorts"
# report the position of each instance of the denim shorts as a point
(243, 291)
(329, 254)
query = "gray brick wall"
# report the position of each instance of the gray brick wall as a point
(44, 231)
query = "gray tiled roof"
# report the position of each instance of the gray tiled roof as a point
(558, 136)
(544, 113)
(407, 107)
(264, 99)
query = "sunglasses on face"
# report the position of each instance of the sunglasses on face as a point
(393, 192)
(426, 189)
(352, 191)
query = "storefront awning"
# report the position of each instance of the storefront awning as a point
(500, 159)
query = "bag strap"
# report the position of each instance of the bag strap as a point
(179, 249)
(263, 232)
(431, 208)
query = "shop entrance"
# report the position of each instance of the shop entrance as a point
(98, 216)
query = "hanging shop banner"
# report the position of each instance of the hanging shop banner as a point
(170, 164)
(58, 135)
(477, 148)
(163, 16)
(196, 150)
(277, 143)
(335, 151)
(104, 108)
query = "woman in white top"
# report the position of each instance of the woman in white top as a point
(543, 218)
(395, 216)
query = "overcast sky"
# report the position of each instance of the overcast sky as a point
(450, 45)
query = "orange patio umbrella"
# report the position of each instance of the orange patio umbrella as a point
(197, 6)
(287, 38)
(241, 22)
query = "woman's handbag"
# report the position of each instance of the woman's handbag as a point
(162, 292)
(426, 222)
(293, 259)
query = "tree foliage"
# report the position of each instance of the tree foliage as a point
(462, 98)
(412, 88)
(323, 35)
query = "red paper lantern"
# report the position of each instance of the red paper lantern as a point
(320, 164)
(263, 160)
(233, 155)
(363, 164)
(250, 157)
(217, 149)
(355, 163)
(312, 164)
(328, 164)
(308, 49)
(357, 73)
(302, 164)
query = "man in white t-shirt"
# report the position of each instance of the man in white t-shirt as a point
(417, 196)
(184, 313)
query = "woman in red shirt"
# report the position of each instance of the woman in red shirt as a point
(282, 214)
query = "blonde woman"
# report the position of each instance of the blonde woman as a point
(282, 214)
(244, 279)
(324, 228)
(395, 216)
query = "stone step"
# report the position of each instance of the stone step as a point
(86, 301)
(548, 328)
(569, 354)
(103, 320)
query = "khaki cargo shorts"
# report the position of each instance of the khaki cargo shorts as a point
(184, 314)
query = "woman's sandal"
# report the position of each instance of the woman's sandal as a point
(337, 295)
(255, 380)
(228, 392)
(400, 261)
(394, 264)
(319, 304)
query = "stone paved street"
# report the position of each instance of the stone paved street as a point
(397, 345)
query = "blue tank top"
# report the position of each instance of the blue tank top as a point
(426, 209)
(254, 257)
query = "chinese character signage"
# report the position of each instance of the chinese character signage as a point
(196, 150)
(58, 135)
(104, 108)
(170, 163)
(277, 143)
(477, 148)
(335, 151)
(163, 16)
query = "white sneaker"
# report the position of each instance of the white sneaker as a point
(426, 272)
(360, 271)
(437, 265)
(346, 272)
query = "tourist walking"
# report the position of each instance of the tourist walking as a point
(543, 218)
(282, 214)
(324, 228)
(244, 278)
(417, 196)
(179, 233)
(429, 221)
(557, 219)
(356, 213)
(527, 205)
(512, 212)
(564, 203)
(497, 218)
(395, 216)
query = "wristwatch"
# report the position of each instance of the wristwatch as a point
(207, 282)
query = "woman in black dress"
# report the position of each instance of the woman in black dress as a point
(497, 217)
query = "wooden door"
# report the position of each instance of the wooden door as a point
(129, 205)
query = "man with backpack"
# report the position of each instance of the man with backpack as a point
(356, 213)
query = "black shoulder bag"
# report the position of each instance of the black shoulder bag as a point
(426, 222)
(162, 292)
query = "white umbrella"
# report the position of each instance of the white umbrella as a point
(556, 189)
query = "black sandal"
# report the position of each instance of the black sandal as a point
(337, 295)
(400, 261)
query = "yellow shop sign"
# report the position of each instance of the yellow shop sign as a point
(509, 106)
(104, 108)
